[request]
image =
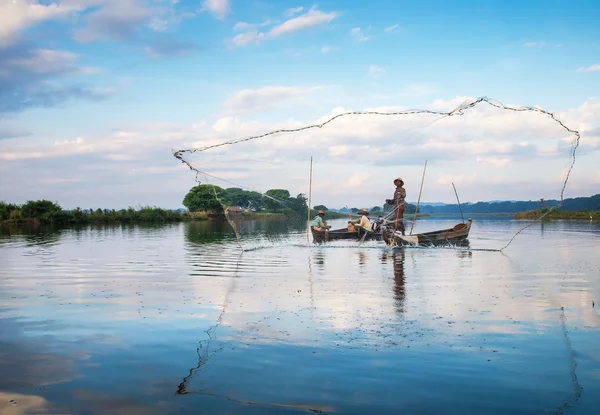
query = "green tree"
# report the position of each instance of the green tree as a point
(234, 196)
(256, 200)
(298, 204)
(39, 208)
(376, 209)
(202, 198)
(321, 207)
(354, 210)
(275, 199)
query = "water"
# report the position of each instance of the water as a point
(177, 319)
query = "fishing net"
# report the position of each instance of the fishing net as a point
(490, 150)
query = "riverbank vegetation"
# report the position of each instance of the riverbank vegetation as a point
(239, 202)
(559, 214)
(47, 212)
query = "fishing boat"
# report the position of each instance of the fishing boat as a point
(455, 235)
(339, 234)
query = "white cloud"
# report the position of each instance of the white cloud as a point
(487, 152)
(114, 19)
(246, 38)
(218, 8)
(375, 71)
(46, 61)
(311, 18)
(358, 179)
(593, 68)
(327, 49)
(391, 28)
(493, 161)
(18, 15)
(534, 44)
(294, 10)
(244, 26)
(358, 35)
(248, 100)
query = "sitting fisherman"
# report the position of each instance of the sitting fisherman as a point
(362, 225)
(376, 227)
(351, 227)
(318, 224)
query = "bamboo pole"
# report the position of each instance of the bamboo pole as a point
(309, 202)
(461, 214)
(418, 201)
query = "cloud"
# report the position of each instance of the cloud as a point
(535, 44)
(114, 20)
(248, 100)
(327, 49)
(294, 10)
(479, 150)
(29, 78)
(593, 68)
(8, 133)
(358, 35)
(391, 28)
(244, 26)
(375, 71)
(18, 15)
(43, 61)
(167, 46)
(311, 18)
(218, 8)
(246, 38)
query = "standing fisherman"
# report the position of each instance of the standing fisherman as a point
(398, 203)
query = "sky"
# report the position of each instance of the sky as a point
(96, 95)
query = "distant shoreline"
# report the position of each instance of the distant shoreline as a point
(558, 214)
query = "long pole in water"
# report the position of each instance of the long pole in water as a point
(418, 201)
(461, 214)
(309, 201)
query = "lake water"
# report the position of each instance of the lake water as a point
(178, 319)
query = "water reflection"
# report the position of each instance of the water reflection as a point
(121, 318)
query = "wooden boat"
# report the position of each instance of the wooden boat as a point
(459, 233)
(340, 234)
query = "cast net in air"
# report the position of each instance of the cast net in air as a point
(490, 150)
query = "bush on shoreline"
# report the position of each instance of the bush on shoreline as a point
(47, 212)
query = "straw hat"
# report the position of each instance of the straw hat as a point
(398, 179)
(321, 213)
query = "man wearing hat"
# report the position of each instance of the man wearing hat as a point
(398, 203)
(362, 224)
(318, 224)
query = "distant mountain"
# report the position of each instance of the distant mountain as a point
(579, 203)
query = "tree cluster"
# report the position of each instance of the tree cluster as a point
(45, 211)
(211, 198)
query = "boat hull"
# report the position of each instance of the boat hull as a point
(456, 235)
(320, 237)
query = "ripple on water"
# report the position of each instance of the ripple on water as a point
(132, 315)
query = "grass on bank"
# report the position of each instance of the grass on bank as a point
(559, 214)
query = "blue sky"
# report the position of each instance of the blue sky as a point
(94, 95)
